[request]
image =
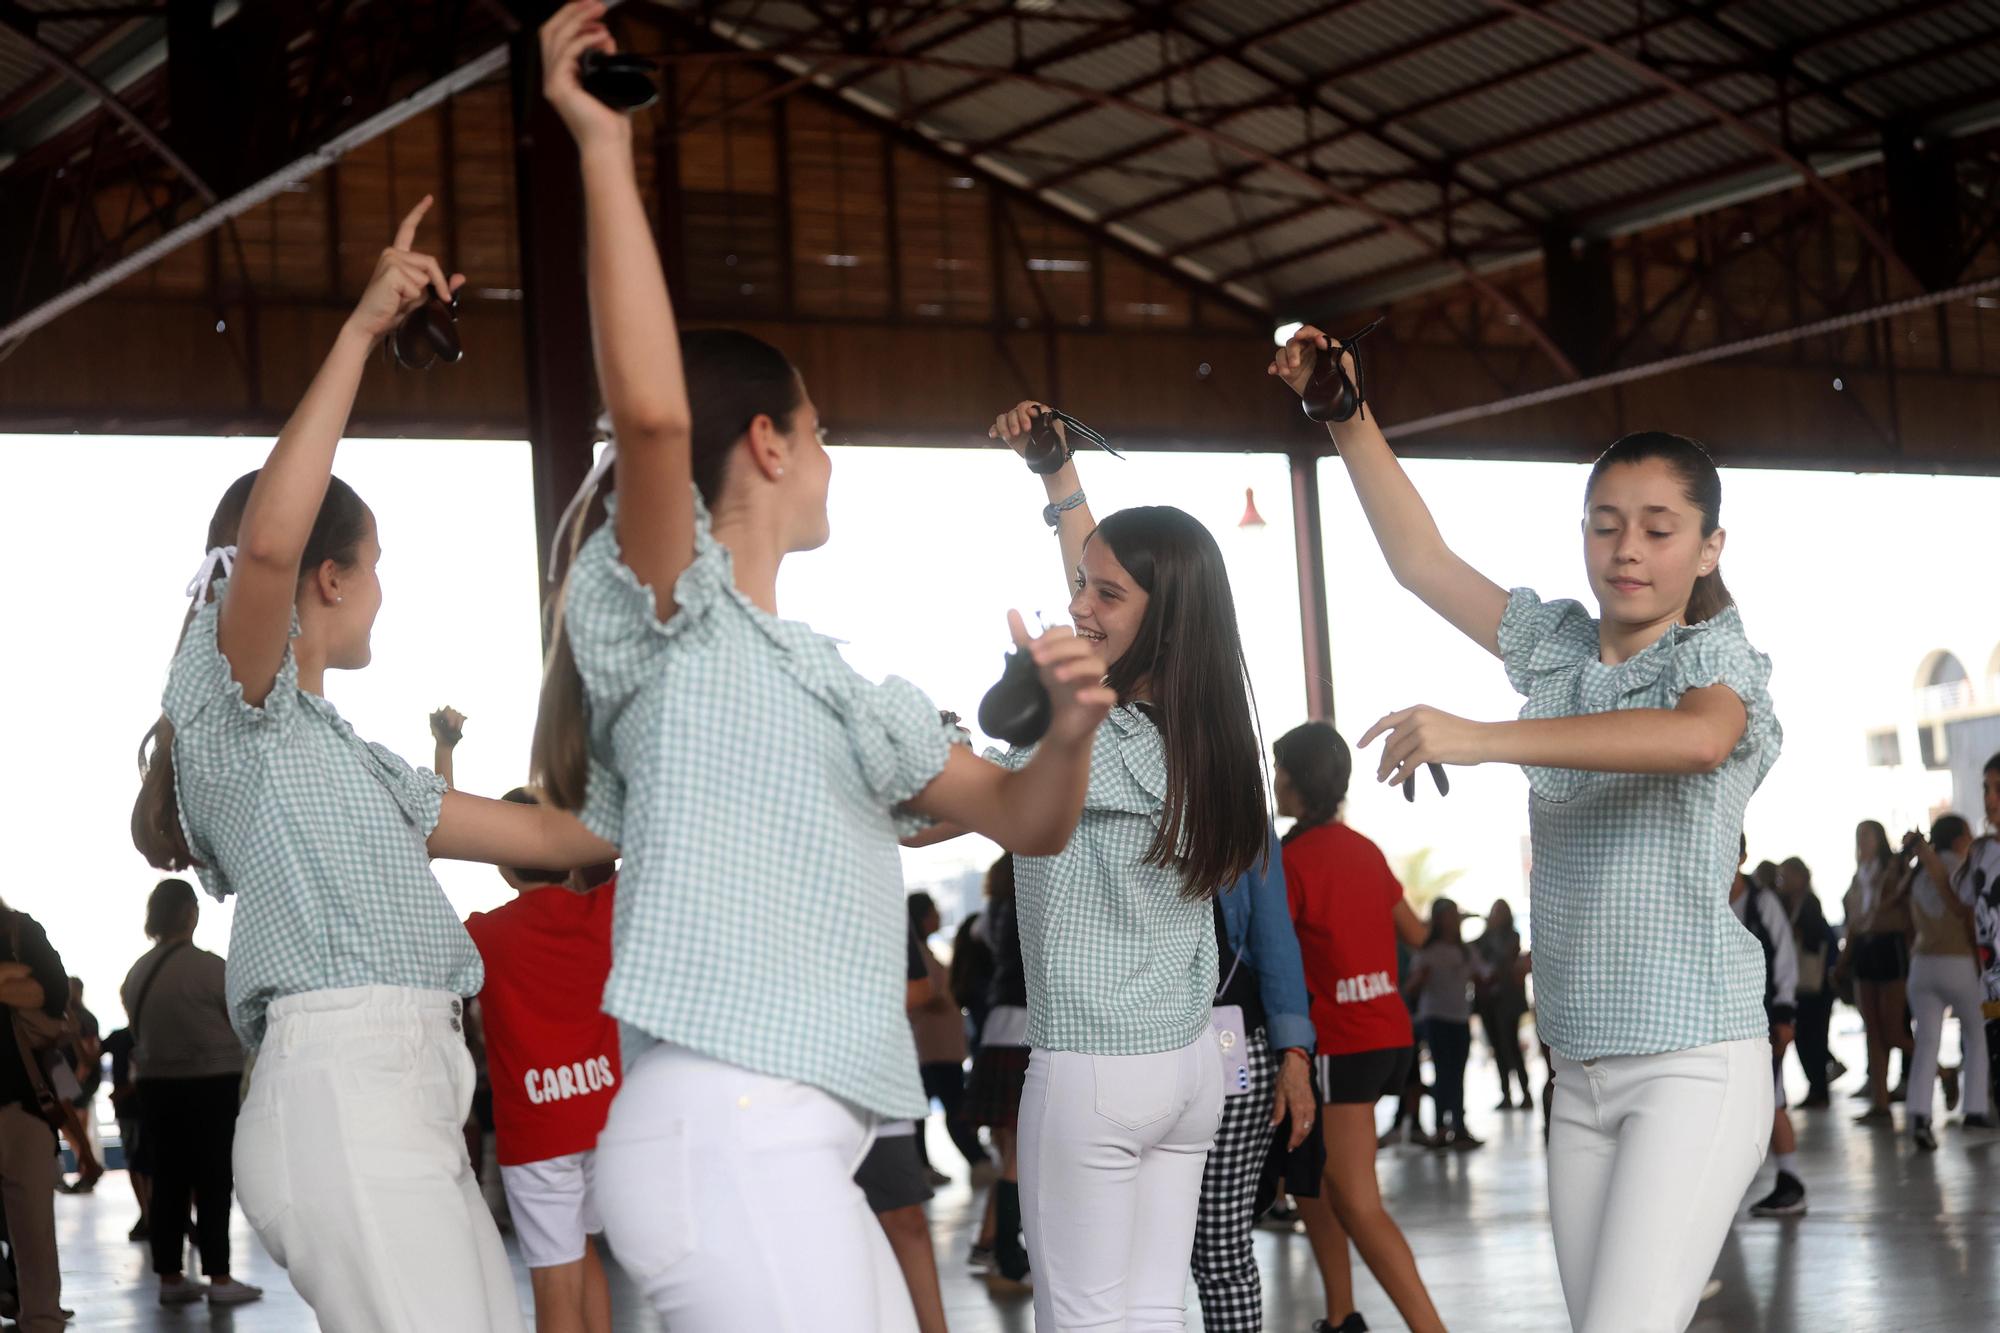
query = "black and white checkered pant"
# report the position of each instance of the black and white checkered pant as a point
(1225, 1266)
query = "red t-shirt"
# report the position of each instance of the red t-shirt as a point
(551, 1050)
(1343, 894)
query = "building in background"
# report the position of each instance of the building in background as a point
(1929, 759)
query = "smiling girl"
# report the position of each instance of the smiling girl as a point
(1124, 1087)
(1646, 729)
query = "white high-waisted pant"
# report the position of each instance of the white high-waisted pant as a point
(729, 1197)
(351, 1165)
(1939, 982)
(1649, 1156)
(1112, 1149)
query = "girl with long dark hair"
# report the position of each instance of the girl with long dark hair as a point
(1124, 1087)
(1646, 729)
(1350, 914)
(757, 786)
(346, 960)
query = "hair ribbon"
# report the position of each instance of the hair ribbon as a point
(220, 562)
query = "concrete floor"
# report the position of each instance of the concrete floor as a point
(1895, 1240)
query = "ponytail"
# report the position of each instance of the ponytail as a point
(1709, 599)
(559, 761)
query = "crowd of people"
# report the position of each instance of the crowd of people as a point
(1173, 1018)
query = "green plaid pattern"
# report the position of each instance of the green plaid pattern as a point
(1118, 962)
(319, 834)
(1636, 950)
(752, 778)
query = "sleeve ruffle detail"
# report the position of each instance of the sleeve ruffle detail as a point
(1538, 637)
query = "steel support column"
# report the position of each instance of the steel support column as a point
(1313, 625)
(560, 375)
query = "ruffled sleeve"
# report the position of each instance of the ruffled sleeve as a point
(1128, 766)
(418, 792)
(612, 619)
(1716, 652)
(201, 687)
(1538, 637)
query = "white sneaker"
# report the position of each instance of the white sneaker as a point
(232, 1292)
(184, 1292)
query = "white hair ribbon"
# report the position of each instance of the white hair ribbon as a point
(591, 481)
(219, 562)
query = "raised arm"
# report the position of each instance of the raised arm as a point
(1402, 523)
(255, 622)
(447, 727)
(1073, 525)
(631, 317)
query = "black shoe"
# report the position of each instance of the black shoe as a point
(1976, 1122)
(1787, 1200)
(1920, 1134)
(1817, 1101)
(1950, 1079)
(1901, 1092)
(1354, 1323)
(140, 1232)
(1861, 1094)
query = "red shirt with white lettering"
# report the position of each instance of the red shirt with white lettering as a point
(1343, 896)
(551, 1050)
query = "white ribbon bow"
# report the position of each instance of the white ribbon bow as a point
(591, 481)
(219, 560)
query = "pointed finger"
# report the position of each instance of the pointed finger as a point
(1019, 629)
(406, 234)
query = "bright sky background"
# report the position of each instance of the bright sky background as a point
(1846, 581)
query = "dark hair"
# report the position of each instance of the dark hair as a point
(1765, 871)
(168, 908)
(1801, 870)
(732, 379)
(1992, 765)
(920, 905)
(523, 796)
(1189, 656)
(1000, 880)
(336, 535)
(1701, 484)
(1319, 766)
(1439, 907)
(1887, 853)
(1949, 829)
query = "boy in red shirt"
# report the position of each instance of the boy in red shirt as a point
(553, 1056)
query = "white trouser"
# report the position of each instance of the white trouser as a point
(351, 1165)
(729, 1197)
(1939, 982)
(1649, 1156)
(1112, 1149)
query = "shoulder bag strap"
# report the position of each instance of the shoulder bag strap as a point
(146, 987)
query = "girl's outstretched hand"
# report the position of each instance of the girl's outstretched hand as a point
(1073, 674)
(576, 28)
(1423, 735)
(1293, 363)
(1012, 426)
(404, 279)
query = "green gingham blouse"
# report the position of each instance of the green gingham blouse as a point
(319, 834)
(751, 778)
(1636, 951)
(1117, 961)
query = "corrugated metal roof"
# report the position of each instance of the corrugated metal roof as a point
(1399, 100)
